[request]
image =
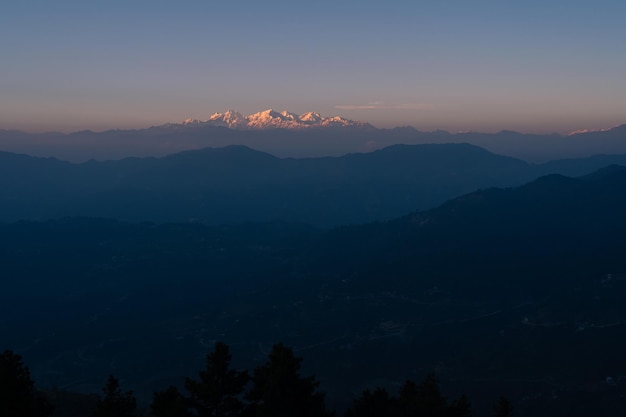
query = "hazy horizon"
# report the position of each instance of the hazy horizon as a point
(564, 132)
(536, 67)
(520, 129)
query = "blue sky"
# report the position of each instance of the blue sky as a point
(549, 66)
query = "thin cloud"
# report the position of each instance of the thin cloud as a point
(413, 106)
(380, 105)
(357, 107)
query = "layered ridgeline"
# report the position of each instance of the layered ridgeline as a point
(516, 292)
(236, 184)
(288, 134)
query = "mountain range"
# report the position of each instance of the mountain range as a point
(236, 184)
(287, 134)
(270, 119)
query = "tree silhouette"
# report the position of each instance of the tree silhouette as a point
(218, 392)
(116, 403)
(278, 390)
(170, 403)
(460, 407)
(408, 401)
(373, 404)
(431, 401)
(18, 396)
(503, 408)
(413, 400)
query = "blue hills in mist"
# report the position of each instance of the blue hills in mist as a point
(309, 142)
(236, 184)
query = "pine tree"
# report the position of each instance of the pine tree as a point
(278, 390)
(169, 403)
(431, 402)
(373, 404)
(219, 391)
(407, 403)
(18, 396)
(503, 408)
(460, 408)
(116, 403)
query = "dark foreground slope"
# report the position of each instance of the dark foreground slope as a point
(503, 291)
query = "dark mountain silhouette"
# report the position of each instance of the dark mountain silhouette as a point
(162, 140)
(544, 147)
(540, 218)
(580, 166)
(236, 183)
(232, 184)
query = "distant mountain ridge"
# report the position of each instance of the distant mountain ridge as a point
(306, 135)
(271, 119)
(236, 183)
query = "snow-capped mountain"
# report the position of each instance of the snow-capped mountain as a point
(270, 119)
(584, 131)
(231, 118)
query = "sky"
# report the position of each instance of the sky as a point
(532, 66)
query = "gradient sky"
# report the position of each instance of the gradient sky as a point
(532, 66)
